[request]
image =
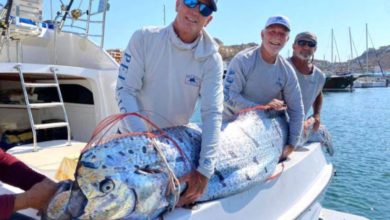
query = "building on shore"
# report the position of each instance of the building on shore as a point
(116, 54)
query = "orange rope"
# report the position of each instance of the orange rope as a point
(257, 107)
(110, 121)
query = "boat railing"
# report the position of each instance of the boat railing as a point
(86, 23)
(20, 19)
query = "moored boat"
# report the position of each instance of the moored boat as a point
(343, 82)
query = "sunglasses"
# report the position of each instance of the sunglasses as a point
(302, 43)
(204, 9)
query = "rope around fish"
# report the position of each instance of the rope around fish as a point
(99, 137)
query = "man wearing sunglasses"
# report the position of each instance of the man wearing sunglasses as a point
(311, 79)
(260, 76)
(163, 73)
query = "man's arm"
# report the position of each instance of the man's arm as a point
(6, 206)
(211, 97)
(211, 94)
(38, 189)
(233, 85)
(317, 105)
(130, 81)
(293, 97)
(37, 197)
(14, 172)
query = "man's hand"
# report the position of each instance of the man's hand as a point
(317, 122)
(196, 183)
(37, 197)
(286, 151)
(307, 124)
(277, 105)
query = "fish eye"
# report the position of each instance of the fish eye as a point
(106, 185)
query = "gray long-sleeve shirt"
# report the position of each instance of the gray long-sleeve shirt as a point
(311, 86)
(162, 77)
(251, 81)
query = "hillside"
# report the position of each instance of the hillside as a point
(357, 65)
(228, 52)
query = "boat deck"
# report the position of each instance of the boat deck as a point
(49, 155)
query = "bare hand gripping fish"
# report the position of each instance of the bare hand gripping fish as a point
(134, 176)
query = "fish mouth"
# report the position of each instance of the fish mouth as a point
(77, 201)
(68, 202)
(56, 208)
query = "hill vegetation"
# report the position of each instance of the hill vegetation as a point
(376, 58)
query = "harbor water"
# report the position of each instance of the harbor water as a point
(359, 122)
(360, 125)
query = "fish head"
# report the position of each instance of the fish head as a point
(113, 194)
(105, 189)
(118, 183)
(122, 179)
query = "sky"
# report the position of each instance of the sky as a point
(238, 22)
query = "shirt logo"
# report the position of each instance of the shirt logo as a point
(192, 80)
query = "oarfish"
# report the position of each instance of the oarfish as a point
(133, 176)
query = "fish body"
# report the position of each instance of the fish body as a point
(127, 177)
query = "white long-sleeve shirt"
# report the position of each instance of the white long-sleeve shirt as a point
(162, 77)
(251, 81)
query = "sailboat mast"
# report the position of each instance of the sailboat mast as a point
(350, 44)
(367, 47)
(331, 48)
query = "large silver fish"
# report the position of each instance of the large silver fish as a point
(133, 177)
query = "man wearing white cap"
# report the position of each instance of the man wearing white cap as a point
(260, 76)
(163, 73)
(310, 78)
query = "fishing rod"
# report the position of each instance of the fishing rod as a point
(66, 14)
(5, 24)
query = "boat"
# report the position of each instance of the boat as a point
(340, 82)
(59, 84)
(371, 82)
(347, 81)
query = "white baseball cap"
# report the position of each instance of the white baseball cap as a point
(278, 19)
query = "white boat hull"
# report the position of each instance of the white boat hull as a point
(304, 177)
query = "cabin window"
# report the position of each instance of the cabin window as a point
(71, 93)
